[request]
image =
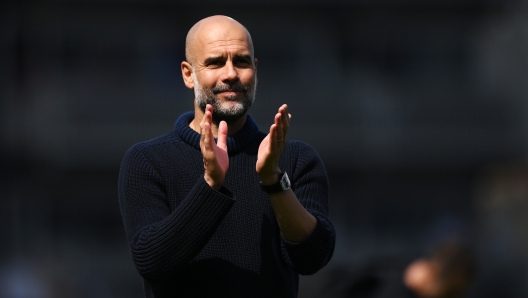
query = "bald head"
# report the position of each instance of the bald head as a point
(210, 29)
(221, 68)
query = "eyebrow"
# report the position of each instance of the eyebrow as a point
(214, 59)
(247, 57)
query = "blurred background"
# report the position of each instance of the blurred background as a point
(419, 110)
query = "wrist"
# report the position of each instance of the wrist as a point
(212, 183)
(281, 185)
(271, 178)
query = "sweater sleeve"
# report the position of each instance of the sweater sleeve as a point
(163, 241)
(310, 185)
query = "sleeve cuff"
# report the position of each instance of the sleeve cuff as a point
(310, 255)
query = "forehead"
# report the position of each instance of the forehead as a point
(223, 40)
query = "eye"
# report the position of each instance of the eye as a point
(242, 62)
(214, 62)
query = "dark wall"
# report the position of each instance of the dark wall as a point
(417, 109)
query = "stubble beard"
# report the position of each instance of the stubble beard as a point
(229, 112)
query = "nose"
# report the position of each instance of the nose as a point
(230, 72)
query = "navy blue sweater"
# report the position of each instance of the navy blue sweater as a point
(188, 240)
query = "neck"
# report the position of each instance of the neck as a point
(232, 128)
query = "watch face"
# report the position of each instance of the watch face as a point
(285, 182)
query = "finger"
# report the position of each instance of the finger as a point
(273, 136)
(279, 134)
(203, 118)
(202, 124)
(206, 137)
(206, 122)
(285, 119)
(285, 124)
(208, 117)
(204, 145)
(222, 135)
(284, 110)
(287, 116)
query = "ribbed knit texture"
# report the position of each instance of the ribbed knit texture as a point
(188, 240)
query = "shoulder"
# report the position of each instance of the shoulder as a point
(162, 140)
(150, 147)
(300, 156)
(300, 148)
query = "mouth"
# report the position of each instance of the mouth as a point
(230, 95)
(229, 90)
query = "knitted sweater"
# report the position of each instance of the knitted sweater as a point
(189, 240)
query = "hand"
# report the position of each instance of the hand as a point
(215, 158)
(271, 147)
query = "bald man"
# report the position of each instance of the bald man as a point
(217, 208)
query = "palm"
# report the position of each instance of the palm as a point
(263, 154)
(271, 146)
(215, 157)
(222, 160)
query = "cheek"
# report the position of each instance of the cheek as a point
(248, 77)
(207, 80)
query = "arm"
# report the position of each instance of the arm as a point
(308, 235)
(163, 241)
(295, 222)
(310, 185)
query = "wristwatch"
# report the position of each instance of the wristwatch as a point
(281, 185)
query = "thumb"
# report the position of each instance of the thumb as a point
(222, 135)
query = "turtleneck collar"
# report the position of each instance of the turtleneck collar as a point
(236, 142)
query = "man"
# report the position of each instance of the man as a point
(208, 208)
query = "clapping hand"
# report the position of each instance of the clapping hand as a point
(215, 158)
(271, 147)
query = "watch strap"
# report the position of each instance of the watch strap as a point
(281, 185)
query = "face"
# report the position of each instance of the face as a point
(222, 71)
(230, 108)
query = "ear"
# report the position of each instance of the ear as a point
(255, 62)
(186, 69)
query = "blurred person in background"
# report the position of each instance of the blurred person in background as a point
(447, 272)
(501, 205)
(217, 208)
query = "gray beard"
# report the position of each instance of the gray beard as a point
(221, 111)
